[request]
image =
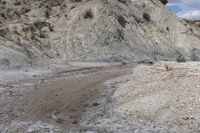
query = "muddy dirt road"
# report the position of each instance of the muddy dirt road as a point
(54, 102)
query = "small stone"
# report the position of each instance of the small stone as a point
(59, 120)
(95, 104)
(75, 122)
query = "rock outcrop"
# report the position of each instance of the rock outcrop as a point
(164, 1)
(194, 22)
(93, 30)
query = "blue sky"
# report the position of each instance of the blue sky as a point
(189, 9)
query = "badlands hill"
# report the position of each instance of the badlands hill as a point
(94, 30)
(78, 82)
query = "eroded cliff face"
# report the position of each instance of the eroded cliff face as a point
(93, 30)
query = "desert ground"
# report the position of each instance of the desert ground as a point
(98, 66)
(53, 98)
(100, 97)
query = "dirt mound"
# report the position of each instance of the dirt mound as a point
(11, 57)
(162, 97)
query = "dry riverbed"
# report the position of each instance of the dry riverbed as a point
(53, 98)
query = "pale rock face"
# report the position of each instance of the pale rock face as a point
(93, 30)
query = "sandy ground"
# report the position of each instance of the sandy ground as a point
(52, 98)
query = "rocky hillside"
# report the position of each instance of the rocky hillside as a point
(93, 30)
(194, 22)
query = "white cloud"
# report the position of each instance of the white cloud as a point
(190, 9)
(191, 14)
(186, 4)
